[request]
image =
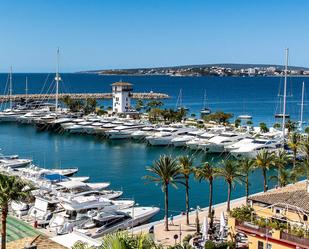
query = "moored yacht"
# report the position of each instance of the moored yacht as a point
(218, 143)
(123, 131)
(250, 150)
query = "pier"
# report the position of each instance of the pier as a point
(33, 97)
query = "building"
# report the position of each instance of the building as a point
(121, 96)
(279, 219)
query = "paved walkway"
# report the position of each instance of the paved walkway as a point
(167, 237)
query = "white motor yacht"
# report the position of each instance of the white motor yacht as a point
(123, 131)
(109, 222)
(14, 162)
(142, 133)
(163, 136)
(217, 144)
(180, 141)
(197, 142)
(74, 186)
(238, 144)
(250, 150)
(9, 115)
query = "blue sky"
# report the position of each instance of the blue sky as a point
(100, 34)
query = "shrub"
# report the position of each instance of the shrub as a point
(243, 213)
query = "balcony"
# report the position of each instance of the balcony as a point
(294, 239)
(272, 234)
(251, 228)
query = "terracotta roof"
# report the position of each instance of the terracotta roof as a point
(294, 194)
(41, 241)
(120, 83)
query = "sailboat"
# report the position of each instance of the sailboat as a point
(206, 110)
(284, 115)
(300, 128)
(179, 104)
(57, 79)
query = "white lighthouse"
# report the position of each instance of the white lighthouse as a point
(122, 97)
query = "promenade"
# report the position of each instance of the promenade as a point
(180, 228)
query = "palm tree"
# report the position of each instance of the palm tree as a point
(264, 160)
(208, 173)
(263, 127)
(285, 177)
(293, 144)
(165, 171)
(229, 171)
(281, 160)
(185, 164)
(290, 125)
(12, 188)
(246, 166)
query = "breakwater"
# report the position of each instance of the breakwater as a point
(20, 97)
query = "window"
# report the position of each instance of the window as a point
(260, 245)
(305, 218)
(117, 99)
(269, 246)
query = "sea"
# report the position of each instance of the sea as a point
(123, 163)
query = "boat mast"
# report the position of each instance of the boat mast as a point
(302, 105)
(284, 91)
(26, 90)
(11, 90)
(204, 101)
(57, 81)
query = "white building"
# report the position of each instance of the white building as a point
(121, 97)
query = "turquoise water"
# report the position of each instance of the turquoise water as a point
(123, 162)
(120, 162)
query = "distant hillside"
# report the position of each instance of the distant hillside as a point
(233, 66)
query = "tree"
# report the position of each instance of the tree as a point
(185, 164)
(139, 104)
(229, 171)
(277, 126)
(208, 173)
(12, 188)
(307, 130)
(294, 143)
(237, 122)
(281, 160)
(219, 117)
(264, 160)
(246, 166)
(165, 171)
(285, 177)
(290, 125)
(154, 115)
(90, 105)
(154, 104)
(249, 123)
(263, 127)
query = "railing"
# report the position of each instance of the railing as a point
(253, 228)
(294, 238)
